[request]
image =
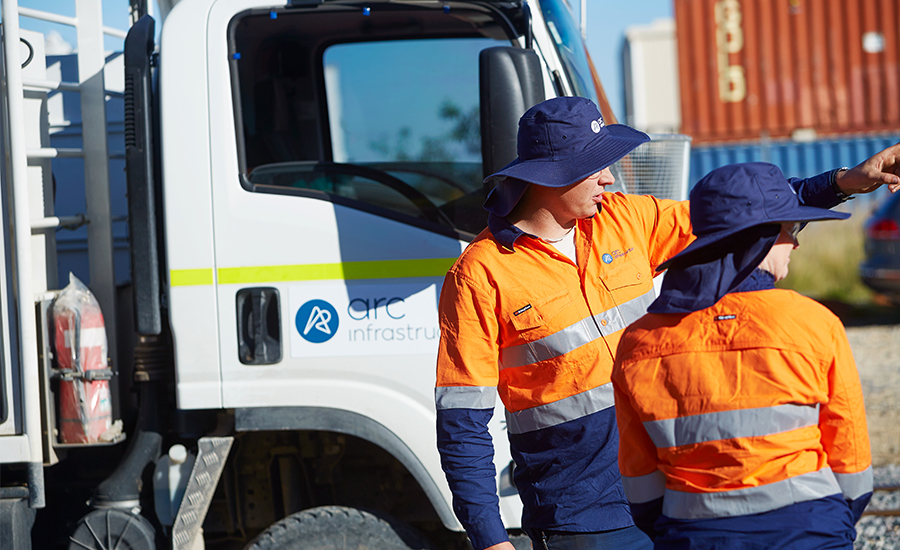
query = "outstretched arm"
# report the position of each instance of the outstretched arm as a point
(883, 168)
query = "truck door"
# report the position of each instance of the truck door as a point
(346, 180)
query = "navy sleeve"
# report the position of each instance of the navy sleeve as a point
(858, 505)
(467, 458)
(816, 191)
(645, 515)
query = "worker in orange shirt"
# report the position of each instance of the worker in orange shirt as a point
(532, 312)
(739, 406)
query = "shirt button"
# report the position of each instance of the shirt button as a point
(603, 322)
(639, 275)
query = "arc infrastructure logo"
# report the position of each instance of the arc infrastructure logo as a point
(337, 319)
(317, 321)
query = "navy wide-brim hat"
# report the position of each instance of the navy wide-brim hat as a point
(560, 141)
(736, 197)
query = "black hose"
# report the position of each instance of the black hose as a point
(122, 489)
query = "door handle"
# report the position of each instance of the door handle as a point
(259, 326)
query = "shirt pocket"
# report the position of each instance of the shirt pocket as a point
(636, 271)
(538, 313)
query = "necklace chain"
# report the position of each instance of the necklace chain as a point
(566, 234)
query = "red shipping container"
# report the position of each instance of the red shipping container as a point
(753, 69)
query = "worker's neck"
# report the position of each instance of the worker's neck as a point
(537, 217)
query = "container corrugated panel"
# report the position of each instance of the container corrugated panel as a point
(768, 68)
(795, 159)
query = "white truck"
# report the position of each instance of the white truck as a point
(300, 175)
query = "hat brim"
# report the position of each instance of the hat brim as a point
(799, 214)
(618, 142)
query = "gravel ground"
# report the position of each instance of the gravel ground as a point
(876, 349)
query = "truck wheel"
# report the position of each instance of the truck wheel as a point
(338, 528)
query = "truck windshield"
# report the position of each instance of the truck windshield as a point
(567, 36)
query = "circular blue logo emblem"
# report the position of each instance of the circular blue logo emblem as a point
(607, 258)
(317, 321)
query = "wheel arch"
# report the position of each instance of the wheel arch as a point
(348, 423)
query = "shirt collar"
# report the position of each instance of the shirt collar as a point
(504, 232)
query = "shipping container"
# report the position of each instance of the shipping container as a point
(796, 159)
(752, 69)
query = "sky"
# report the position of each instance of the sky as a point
(606, 24)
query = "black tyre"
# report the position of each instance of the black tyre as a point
(338, 528)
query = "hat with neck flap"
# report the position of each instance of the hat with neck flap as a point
(560, 141)
(736, 215)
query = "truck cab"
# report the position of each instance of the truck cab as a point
(300, 176)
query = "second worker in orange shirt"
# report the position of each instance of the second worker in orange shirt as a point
(739, 407)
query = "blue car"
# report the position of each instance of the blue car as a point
(881, 268)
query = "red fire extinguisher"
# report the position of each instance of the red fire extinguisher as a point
(85, 406)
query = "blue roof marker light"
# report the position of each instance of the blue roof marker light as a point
(367, 11)
(273, 15)
(236, 55)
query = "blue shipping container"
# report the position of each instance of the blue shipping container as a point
(796, 159)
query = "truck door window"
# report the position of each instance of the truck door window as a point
(378, 112)
(410, 108)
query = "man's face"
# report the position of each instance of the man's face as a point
(580, 199)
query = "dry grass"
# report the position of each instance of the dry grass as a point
(825, 266)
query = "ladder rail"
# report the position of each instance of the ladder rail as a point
(65, 20)
(101, 247)
(27, 333)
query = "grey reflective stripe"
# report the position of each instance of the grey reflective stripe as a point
(644, 488)
(465, 397)
(687, 430)
(560, 343)
(751, 500)
(564, 410)
(856, 485)
(576, 335)
(619, 318)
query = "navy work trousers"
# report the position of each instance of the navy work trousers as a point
(629, 538)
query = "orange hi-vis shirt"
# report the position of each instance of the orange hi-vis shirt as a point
(524, 321)
(747, 406)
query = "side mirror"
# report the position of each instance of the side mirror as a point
(510, 83)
